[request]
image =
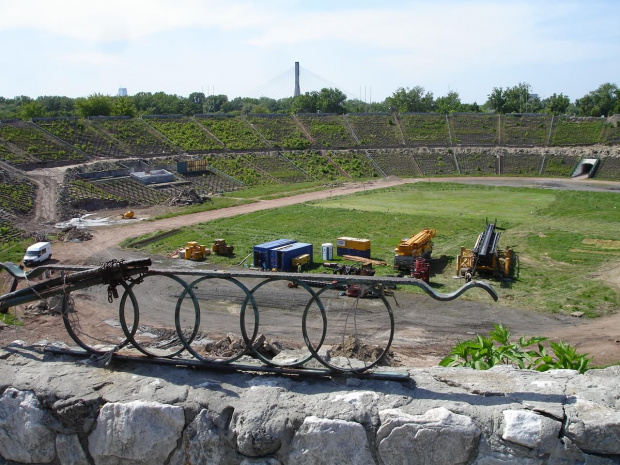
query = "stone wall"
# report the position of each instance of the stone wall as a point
(68, 410)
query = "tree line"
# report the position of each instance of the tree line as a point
(603, 101)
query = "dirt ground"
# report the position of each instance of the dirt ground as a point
(425, 329)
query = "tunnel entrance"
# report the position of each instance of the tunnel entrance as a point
(587, 167)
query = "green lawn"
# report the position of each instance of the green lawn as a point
(277, 191)
(554, 233)
(216, 203)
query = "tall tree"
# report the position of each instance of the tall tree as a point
(557, 104)
(411, 100)
(167, 104)
(194, 104)
(332, 101)
(306, 103)
(30, 110)
(123, 106)
(516, 99)
(449, 103)
(94, 105)
(603, 101)
(519, 99)
(55, 105)
(496, 100)
(214, 103)
(328, 100)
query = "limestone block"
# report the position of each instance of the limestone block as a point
(137, 433)
(70, 450)
(438, 436)
(77, 414)
(530, 429)
(202, 443)
(593, 426)
(320, 441)
(264, 420)
(24, 436)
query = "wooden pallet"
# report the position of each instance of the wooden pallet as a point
(365, 261)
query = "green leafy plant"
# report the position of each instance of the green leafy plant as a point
(483, 353)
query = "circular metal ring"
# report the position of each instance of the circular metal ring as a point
(325, 363)
(247, 340)
(320, 305)
(88, 348)
(130, 336)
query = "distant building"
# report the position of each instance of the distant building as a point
(122, 92)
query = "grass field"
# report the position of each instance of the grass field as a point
(564, 239)
(252, 194)
(277, 191)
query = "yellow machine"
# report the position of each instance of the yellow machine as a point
(500, 263)
(193, 251)
(128, 215)
(219, 247)
(409, 249)
(300, 260)
(485, 257)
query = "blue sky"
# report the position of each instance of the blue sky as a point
(369, 48)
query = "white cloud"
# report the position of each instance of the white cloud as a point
(118, 20)
(239, 45)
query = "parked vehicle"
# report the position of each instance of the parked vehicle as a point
(412, 254)
(37, 253)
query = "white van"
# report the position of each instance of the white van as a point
(37, 253)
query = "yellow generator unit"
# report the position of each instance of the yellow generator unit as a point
(300, 260)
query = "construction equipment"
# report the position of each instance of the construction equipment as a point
(366, 292)
(416, 248)
(485, 257)
(219, 247)
(193, 251)
(421, 269)
(364, 270)
(128, 215)
(300, 262)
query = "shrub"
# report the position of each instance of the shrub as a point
(482, 353)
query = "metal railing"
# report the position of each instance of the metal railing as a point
(167, 314)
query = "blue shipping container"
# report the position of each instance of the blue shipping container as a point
(261, 252)
(284, 255)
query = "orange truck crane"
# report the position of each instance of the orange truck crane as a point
(417, 248)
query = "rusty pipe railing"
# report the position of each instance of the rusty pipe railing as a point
(129, 275)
